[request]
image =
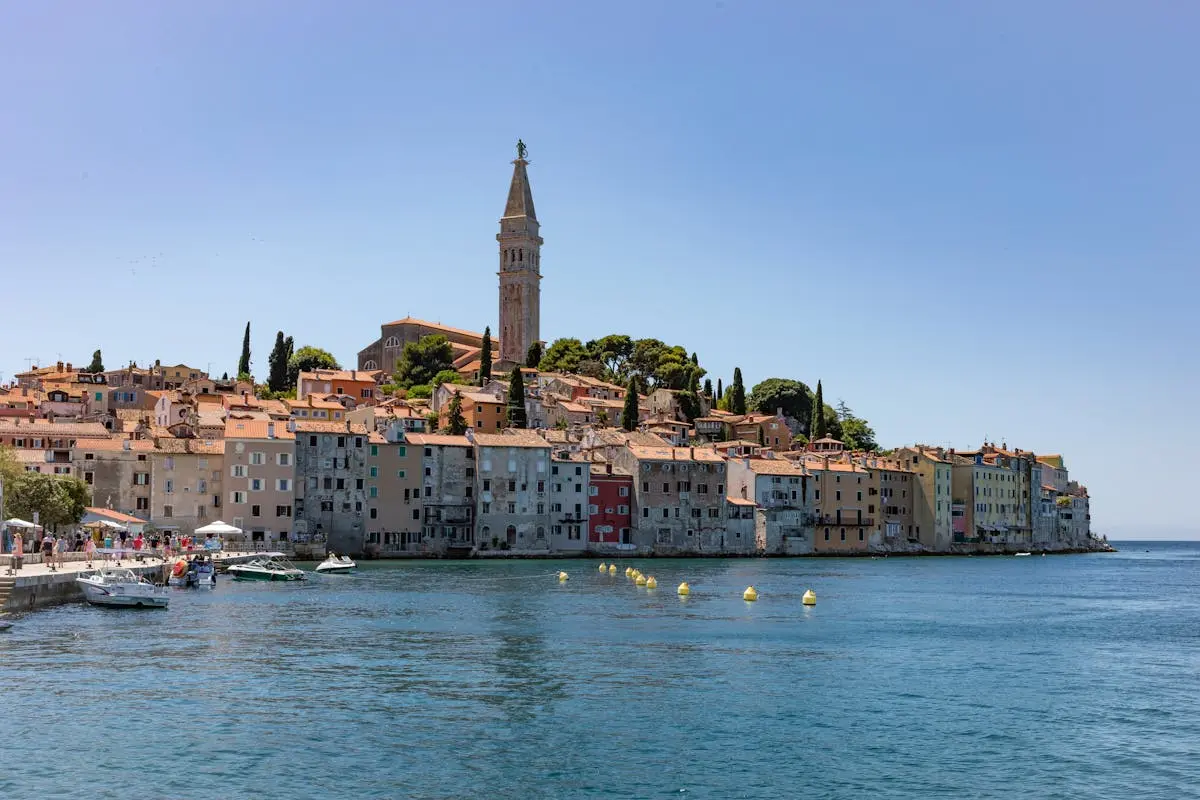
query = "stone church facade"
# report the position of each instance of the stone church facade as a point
(520, 296)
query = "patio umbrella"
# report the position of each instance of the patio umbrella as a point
(20, 523)
(218, 528)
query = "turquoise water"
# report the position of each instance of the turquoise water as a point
(1055, 677)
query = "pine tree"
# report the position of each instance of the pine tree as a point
(629, 414)
(818, 429)
(456, 424)
(244, 361)
(534, 356)
(737, 397)
(516, 400)
(277, 373)
(485, 356)
(97, 364)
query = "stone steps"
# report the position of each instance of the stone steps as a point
(6, 589)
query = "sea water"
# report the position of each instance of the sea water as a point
(1038, 677)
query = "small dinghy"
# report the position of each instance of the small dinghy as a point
(335, 564)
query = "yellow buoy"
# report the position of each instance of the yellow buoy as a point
(651, 583)
(628, 571)
(684, 590)
(640, 580)
(612, 569)
(603, 566)
(750, 595)
(562, 576)
(810, 598)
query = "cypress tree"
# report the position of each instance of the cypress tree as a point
(244, 361)
(762, 437)
(456, 423)
(516, 400)
(534, 356)
(708, 388)
(720, 390)
(695, 360)
(818, 429)
(277, 374)
(485, 356)
(97, 364)
(629, 414)
(737, 397)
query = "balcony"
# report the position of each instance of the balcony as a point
(865, 522)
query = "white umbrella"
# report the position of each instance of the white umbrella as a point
(218, 528)
(20, 523)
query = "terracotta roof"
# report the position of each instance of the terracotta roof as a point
(775, 466)
(256, 429)
(309, 426)
(310, 402)
(600, 470)
(115, 516)
(733, 443)
(514, 438)
(353, 375)
(202, 447)
(669, 453)
(437, 326)
(739, 501)
(114, 444)
(53, 429)
(437, 439)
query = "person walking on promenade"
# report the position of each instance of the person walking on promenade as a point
(108, 546)
(89, 550)
(60, 549)
(48, 550)
(18, 552)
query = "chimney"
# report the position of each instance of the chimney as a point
(68, 366)
(608, 469)
(58, 368)
(270, 430)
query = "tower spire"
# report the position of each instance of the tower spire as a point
(520, 197)
(520, 267)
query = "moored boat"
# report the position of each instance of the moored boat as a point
(335, 564)
(266, 569)
(121, 587)
(1022, 554)
(198, 572)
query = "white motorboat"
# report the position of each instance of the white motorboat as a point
(199, 572)
(1022, 554)
(121, 587)
(335, 564)
(266, 569)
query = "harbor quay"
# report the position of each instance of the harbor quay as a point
(36, 585)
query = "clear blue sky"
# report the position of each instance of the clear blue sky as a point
(965, 220)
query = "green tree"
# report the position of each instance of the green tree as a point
(485, 356)
(563, 355)
(819, 428)
(244, 361)
(689, 400)
(602, 418)
(629, 414)
(419, 392)
(855, 433)
(613, 351)
(720, 392)
(97, 364)
(57, 499)
(793, 397)
(533, 356)
(516, 400)
(456, 423)
(708, 390)
(420, 362)
(737, 397)
(448, 376)
(306, 359)
(277, 371)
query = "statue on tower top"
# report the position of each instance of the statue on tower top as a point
(521, 149)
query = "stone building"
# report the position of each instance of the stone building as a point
(394, 480)
(260, 467)
(573, 500)
(185, 483)
(117, 471)
(331, 492)
(784, 512)
(514, 490)
(679, 493)
(447, 491)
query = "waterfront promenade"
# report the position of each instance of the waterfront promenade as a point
(36, 585)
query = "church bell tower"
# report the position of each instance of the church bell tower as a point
(520, 268)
